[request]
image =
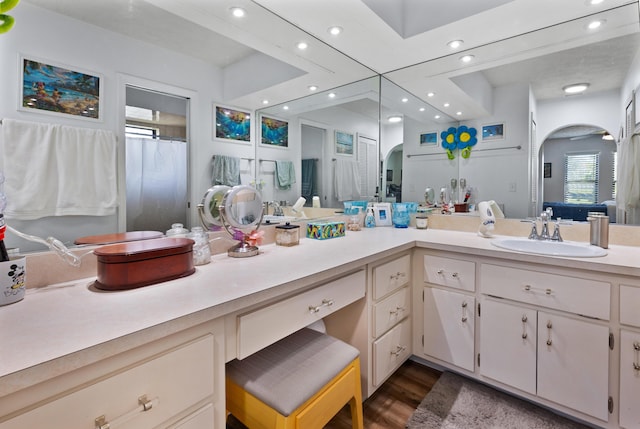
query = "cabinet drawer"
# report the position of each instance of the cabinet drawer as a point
(455, 273)
(579, 296)
(390, 351)
(629, 304)
(260, 328)
(391, 276)
(172, 381)
(390, 311)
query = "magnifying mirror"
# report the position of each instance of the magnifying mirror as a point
(209, 208)
(241, 209)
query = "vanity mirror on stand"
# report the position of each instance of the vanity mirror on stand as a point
(239, 211)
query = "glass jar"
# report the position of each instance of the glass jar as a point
(177, 230)
(287, 235)
(201, 249)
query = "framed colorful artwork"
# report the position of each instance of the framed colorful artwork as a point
(430, 138)
(344, 143)
(274, 132)
(56, 89)
(493, 132)
(232, 125)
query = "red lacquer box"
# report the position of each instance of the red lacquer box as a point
(142, 263)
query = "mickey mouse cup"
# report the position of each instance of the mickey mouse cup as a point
(13, 276)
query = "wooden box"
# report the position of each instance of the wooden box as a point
(142, 263)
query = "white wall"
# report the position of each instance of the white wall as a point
(64, 41)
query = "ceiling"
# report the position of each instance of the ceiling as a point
(380, 36)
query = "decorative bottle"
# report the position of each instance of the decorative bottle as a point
(369, 220)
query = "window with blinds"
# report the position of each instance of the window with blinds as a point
(581, 178)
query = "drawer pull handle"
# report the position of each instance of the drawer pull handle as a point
(440, 271)
(464, 312)
(454, 275)
(399, 350)
(397, 311)
(144, 404)
(529, 288)
(549, 326)
(636, 357)
(636, 346)
(317, 308)
(524, 326)
(397, 275)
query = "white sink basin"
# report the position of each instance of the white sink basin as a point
(277, 219)
(550, 248)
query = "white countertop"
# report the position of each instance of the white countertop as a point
(61, 327)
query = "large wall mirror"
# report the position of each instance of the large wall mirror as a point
(524, 120)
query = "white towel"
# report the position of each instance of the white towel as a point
(56, 170)
(346, 180)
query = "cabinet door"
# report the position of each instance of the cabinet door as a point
(202, 418)
(449, 320)
(508, 344)
(390, 351)
(629, 379)
(573, 363)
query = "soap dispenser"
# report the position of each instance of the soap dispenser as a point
(369, 220)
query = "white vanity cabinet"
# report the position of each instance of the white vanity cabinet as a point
(629, 357)
(447, 317)
(176, 382)
(558, 352)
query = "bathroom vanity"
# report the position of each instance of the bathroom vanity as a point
(562, 332)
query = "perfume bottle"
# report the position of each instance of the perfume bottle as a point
(369, 220)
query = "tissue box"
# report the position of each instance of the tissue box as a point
(141, 263)
(325, 230)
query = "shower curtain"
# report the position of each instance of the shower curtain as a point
(156, 183)
(628, 181)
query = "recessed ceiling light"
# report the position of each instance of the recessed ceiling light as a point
(430, 94)
(575, 88)
(394, 119)
(285, 107)
(595, 2)
(313, 88)
(332, 95)
(467, 58)
(437, 117)
(335, 30)
(421, 109)
(455, 44)
(594, 25)
(405, 99)
(238, 12)
(458, 113)
(265, 101)
(446, 104)
(302, 45)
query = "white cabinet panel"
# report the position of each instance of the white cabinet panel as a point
(390, 311)
(574, 295)
(390, 351)
(629, 305)
(455, 273)
(200, 419)
(173, 382)
(260, 328)
(508, 346)
(391, 276)
(573, 363)
(629, 379)
(449, 326)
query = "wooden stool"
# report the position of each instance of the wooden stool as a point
(300, 382)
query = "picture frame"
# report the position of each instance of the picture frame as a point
(344, 143)
(547, 170)
(274, 132)
(493, 131)
(58, 89)
(231, 124)
(429, 138)
(389, 175)
(382, 214)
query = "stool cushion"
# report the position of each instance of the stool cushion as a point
(289, 372)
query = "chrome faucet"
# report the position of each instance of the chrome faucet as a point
(277, 210)
(544, 234)
(545, 216)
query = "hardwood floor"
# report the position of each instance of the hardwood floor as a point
(393, 403)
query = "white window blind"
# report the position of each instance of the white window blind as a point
(614, 175)
(581, 178)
